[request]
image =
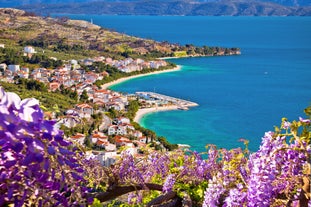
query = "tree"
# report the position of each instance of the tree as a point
(87, 142)
(151, 134)
(113, 113)
(84, 97)
(36, 85)
(74, 95)
(166, 144)
(132, 109)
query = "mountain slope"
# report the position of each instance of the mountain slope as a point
(5, 3)
(152, 7)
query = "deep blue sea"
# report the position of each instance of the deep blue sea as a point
(238, 96)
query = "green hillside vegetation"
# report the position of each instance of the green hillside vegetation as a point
(35, 89)
(67, 39)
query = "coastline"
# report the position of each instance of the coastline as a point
(107, 85)
(142, 112)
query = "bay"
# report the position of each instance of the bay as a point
(238, 96)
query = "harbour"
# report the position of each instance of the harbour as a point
(180, 103)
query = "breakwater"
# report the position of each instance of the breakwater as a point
(183, 104)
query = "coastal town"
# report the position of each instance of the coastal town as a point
(78, 61)
(112, 134)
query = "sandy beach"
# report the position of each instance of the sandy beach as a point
(142, 112)
(107, 85)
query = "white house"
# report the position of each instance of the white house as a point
(70, 121)
(103, 95)
(107, 158)
(3, 66)
(73, 62)
(143, 139)
(98, 136)
(78, 138)
(122, 130)
(85, 110)
(128, 61)
(29, 50)
(112, 129)
(122, 120)
(115, 105)
(137, 134)
(139, 61)
(14, 68)
(90, 76)
(154, 64)
(88, 61)
(123, 141)
(110, 147)
(25, 69)
(23, 74)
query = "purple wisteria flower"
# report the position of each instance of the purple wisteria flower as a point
(213, 192)
(307, 121)
(273, 168)
(286, 125)
(35, 166)
(128, 170)
(236, 197)
(169, 183)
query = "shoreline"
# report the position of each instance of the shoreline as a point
(142, 112)
(115, 82)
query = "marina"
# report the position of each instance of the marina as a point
(180, 103)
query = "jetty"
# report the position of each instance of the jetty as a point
(180, 103)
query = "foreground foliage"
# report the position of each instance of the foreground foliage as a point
(38, 167)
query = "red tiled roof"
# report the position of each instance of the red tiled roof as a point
(77, 136)
(99, 142)
(99, 136)
(84, 105)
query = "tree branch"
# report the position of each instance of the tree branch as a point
(117, 191)
(175, 202)
(162, 198)
(186, 201)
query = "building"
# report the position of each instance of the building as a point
(85, 110)
(70, 121)
(29, 50)
(107, 158)
(3, 66)
(14, 68)
(78, 138)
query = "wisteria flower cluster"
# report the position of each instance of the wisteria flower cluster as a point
(278, 174)
(37, 166)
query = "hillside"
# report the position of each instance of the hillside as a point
(66, 39)
(12, 3)
(152, 7)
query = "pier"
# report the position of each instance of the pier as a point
(181, 103)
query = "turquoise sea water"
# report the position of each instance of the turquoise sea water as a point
(238, 96)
